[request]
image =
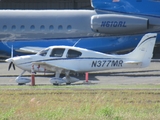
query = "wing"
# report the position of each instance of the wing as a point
(53, 67)
(133, 62)
(30, 49)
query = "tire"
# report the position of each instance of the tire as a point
(68, 83)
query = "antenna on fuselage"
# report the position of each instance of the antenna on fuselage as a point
(12, 51)
(76, 43)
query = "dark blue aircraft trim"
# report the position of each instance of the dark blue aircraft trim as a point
(146, 40)
(68, 59)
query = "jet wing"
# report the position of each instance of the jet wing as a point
(30, 49)
(50, 66)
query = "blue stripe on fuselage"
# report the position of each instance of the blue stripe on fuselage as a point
(78, 58)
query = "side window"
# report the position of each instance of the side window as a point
(32, 27)
(4, 27)
(73, 54)
(22, 27)
(51, 27)
(43, 52)
(57, 52)
(60, 27)
(42, 27)
(13, 27)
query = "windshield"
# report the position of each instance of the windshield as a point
(43, 52)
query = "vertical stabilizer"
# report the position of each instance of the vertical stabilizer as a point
(144, 50)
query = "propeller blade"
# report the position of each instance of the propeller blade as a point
(10, 66)
(8, 60)
(14, 66)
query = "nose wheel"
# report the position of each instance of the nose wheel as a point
(22, 80)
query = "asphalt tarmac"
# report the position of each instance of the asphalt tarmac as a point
(149, 75)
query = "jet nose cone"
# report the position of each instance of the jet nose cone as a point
(9, 60)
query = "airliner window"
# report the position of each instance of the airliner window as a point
(73, 54)
(4, 27)
(43, 52)
(22, 27)
(69, 27)
(57, 52)
(60, 27)
(51, 27)
(32, 27)
(42, 27)
(13, 27)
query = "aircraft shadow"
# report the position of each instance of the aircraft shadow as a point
(144, 73)
(92, 76)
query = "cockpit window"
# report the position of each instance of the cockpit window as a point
(43, 52)
(73, 54)
(57, 52)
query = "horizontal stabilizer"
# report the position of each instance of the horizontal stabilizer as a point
(30, 49)
(133, 62)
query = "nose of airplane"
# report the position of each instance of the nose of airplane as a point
(9, 60)
(11, 63)
(13, 59)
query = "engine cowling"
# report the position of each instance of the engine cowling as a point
(118, 24)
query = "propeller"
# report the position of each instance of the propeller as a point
(11, 61)
(11, 64)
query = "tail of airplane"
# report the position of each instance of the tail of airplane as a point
(144, 50)
(128, 6)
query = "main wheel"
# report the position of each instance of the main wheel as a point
(68, 83)
(55, 84)
(21, 83)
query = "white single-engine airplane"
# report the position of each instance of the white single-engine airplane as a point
(67, 59)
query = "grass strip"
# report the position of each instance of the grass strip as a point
(79, 104)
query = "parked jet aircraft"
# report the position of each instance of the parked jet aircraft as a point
(39, 27)
(66, 59)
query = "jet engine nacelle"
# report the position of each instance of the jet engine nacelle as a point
(118, 24)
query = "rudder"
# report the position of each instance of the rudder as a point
(144, 50)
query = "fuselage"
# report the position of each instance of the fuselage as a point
(91, 29)
(83, 60)
(45, 24)
(56, 24)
